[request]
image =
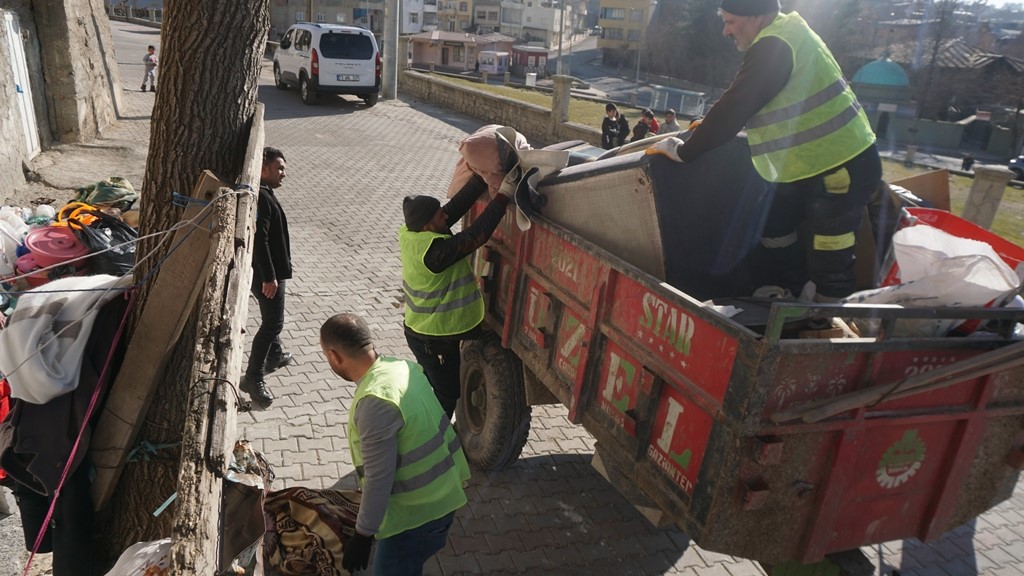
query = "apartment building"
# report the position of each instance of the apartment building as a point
(454, 15)
(623, 23)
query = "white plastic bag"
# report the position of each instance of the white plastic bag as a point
(941, 270)
(144, 559)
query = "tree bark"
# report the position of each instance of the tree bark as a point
(207, 79)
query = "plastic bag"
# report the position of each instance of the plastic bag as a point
(938, 269)
(107, 232)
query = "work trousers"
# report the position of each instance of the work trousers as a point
(441, 361)
(267, 341)
(832, 204)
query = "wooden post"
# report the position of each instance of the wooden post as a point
(172, 299)
(986, 194)
(209, 435)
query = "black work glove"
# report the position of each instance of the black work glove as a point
(356, 554)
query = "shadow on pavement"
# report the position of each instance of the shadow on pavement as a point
(287, 104)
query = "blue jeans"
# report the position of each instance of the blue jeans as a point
(405, 553)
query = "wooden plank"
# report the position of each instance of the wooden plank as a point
(172, 298)
(209, 434)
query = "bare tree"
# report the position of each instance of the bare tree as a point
(941, 15)
(210, 64)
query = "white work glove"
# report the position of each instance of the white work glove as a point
(511, 182)
(669, 147)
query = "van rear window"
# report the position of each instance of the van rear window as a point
(346, 46)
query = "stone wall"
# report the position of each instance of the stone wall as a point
(72, 73)
(535, 122)
(81, 78)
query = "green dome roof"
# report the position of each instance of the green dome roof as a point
(882, 72)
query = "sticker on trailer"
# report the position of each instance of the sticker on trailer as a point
(566, 265)
(620, 377)
(688, 345)
(573, 338)
(901, 461)
(536, 314)
(679, 438)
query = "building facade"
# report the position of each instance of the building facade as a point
(623, 23)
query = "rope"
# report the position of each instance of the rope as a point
(85, 423)
(166, 234)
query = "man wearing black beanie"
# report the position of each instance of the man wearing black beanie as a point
(443, 304)
(808, 136)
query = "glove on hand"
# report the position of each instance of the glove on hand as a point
(356, 554)
(511, 182)
(668, 147)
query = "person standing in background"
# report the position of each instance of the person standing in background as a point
(151, 62)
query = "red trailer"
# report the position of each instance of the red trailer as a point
(754, 441)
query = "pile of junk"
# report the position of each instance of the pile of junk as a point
(94, 233)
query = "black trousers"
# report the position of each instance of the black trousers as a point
(267, 341)
(833, 205)
(441, 361)
(70, 533)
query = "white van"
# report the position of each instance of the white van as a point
(329, 59)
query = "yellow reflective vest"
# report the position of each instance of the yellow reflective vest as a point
(443, 304)
(815, 123)
(431, 464)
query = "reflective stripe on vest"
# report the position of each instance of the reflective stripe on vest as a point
(815, 123)
(431, 465)
(437, 304)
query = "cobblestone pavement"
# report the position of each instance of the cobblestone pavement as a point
(550, 513)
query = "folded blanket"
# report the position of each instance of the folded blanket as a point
(41, 347)
(308, 530)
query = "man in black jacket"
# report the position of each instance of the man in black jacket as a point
(272, 266)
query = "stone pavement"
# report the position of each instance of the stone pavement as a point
(550, 513)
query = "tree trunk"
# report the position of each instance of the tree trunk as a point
(209, 66)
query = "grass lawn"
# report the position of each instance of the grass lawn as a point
(1009, 221)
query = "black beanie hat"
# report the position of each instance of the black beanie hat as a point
(418, 211)
(750, 7)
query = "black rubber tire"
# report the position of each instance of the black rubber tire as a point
(370, 100)
(492, 416)
(277, 78)
(1017, 173)
(308, 96)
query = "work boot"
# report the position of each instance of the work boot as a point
(143, 88)
(257, 390)
(152, 88)
(281, 361)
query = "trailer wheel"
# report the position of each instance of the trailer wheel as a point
(492, 417)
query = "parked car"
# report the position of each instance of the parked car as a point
(1017, 167)
(329, 59)
(595, 31)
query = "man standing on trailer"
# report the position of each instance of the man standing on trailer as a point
(808, 136)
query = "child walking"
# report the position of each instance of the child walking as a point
(150, 60)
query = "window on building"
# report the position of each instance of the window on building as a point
(321, 17)
(414, 18)
(633, 35)
(463, 24)
(300, 16)
(542, 61)
(636, 15)
(459, 53)
(463, 6)
(613, 13)
(531, 61)
(341, 18)
(481, 14)
(492, 16)
(612, 34)
(529, 19)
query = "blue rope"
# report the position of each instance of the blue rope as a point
(182, 201)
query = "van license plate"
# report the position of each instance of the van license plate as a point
(348, 78)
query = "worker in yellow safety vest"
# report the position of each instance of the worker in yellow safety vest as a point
(443, 304)
(408, 460)
(808, 136)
